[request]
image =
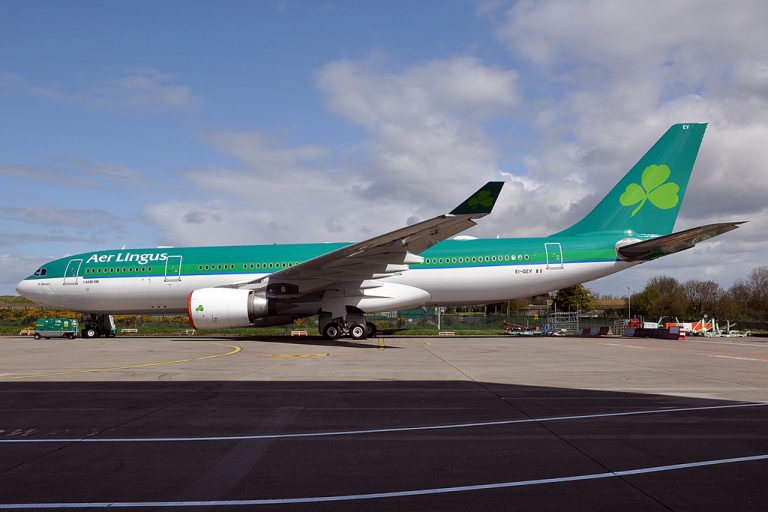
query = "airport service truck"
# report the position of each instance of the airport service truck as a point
(56, 328)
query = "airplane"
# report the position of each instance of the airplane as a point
(425, 264)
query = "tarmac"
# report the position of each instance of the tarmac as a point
(439, 424)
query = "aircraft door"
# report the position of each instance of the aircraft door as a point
(72, 272)
(554, 255)
(173, 268)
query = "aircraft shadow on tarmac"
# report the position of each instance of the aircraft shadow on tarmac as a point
(307, 340)
(375, 436)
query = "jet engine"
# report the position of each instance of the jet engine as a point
(211, 308)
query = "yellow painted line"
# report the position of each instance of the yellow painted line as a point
(235, 350)
(382, 346)
(290, 356)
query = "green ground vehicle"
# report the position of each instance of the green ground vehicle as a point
(56, 328)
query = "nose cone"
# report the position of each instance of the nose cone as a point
(24, 288)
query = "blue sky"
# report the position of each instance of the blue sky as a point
(199, 123)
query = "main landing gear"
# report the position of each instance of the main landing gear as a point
(353, 325)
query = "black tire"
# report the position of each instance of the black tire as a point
(71, 335)
(332, 331)
(37, 336)
(370, 331)
(357, 331)
(89, 333)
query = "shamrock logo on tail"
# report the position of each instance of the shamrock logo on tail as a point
(483, 198)
(662, 195)
(200, 308)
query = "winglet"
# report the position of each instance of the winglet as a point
(481, 202)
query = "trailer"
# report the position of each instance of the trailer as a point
(56, 328)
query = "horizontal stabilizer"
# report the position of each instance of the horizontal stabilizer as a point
(676, 242)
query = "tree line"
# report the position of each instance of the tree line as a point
(746, 299)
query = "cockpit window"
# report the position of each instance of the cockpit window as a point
(41, 271)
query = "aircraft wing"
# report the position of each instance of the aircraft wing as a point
(676, 242)
(381, 256)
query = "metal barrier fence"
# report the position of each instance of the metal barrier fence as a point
(403, 320)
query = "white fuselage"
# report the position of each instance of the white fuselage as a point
(444, 286)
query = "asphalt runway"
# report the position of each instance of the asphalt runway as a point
(436, 424)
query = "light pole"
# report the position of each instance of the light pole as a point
(629, 303)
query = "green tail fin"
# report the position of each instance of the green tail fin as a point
(648, 198)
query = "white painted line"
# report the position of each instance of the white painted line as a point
(621, 345)
(382, 495)
(373, 431)
(734, 357)
(731, 342)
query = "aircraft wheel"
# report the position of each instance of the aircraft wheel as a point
(370, 330)
(332, 331)
(357, 331)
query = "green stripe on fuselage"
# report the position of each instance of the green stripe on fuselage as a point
(270, 258)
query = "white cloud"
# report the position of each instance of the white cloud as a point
(71, 171)
(143, 90)
(91, 219)
(263, 153)
(14, 268)
(426, 130)
(616, 75)
(43, 174)
(9, 239)
(426, 123)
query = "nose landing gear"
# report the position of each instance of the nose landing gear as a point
(95, 326)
